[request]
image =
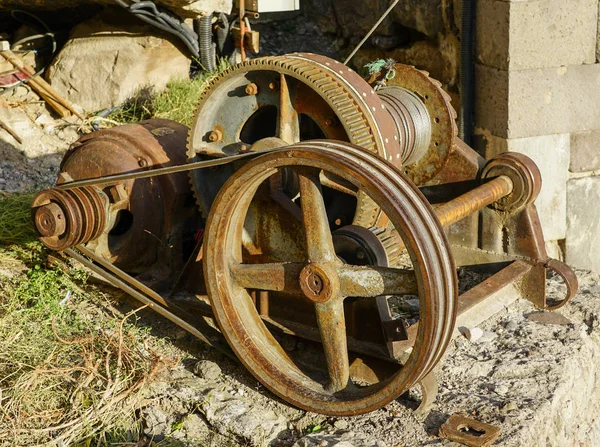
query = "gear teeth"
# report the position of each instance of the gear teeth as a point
(348, 107)
(447, 100)
(392, 244)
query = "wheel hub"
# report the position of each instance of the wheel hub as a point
(319, 282)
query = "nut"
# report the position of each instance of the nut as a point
(215, 135)
(252, 89)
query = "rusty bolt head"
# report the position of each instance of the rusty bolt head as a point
(50, 220)
(215, 135)
(274, 85)
(252, 89)
(143, 163)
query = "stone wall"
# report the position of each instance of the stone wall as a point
(422, 33)
(538, 90)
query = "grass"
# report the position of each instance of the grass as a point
(177, 102)
(71, 364)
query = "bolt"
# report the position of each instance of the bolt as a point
(360, 254)
(142, 163)
(274, 85)
(252, 89)
(331, 122)
(215, 135)
(315, 283)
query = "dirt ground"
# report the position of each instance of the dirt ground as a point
(525, 377)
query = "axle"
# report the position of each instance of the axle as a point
(457, 209)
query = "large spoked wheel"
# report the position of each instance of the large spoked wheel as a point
(325, 280)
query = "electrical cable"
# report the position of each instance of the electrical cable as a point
(14, 14)
(164, 20)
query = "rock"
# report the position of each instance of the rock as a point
(509, 406)
(511, 325)
(341, 424)
(195, 428)
(487, 336)
(157, 423)
(549, 318)
(184, 8)
(501, 390)
(110, 58)
(338, 439)
(472, 334)
(233, 416)
(207, 370)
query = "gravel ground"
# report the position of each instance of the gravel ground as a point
(533, 380)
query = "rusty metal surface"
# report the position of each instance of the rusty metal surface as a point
(324, 280)
(64, 219)
(306, 239)
(443, 125)
(474, 200)
(298, 97)
(468, 431)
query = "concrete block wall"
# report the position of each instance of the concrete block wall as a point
(538, 93)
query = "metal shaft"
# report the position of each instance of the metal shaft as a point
(463, 206)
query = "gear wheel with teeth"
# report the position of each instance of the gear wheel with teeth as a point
(300, 97)
(294, 98)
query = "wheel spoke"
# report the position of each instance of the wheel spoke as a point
(371, 281)
(279, 277)
(319, 243)
(288, 124)
(332, 326)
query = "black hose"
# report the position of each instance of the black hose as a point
(149, 13)
(467, 72)
(205, 37)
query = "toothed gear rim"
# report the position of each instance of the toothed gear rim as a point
(361, 115)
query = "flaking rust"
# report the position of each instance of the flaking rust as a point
(469, 431)
(278, 228)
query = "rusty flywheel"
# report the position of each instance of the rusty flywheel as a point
(314, 278)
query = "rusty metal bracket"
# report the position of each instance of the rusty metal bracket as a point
(395, 330)
(468, 431)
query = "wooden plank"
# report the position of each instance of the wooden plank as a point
(50, 95)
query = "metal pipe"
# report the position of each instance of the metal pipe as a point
(463, 206)
(242, 29)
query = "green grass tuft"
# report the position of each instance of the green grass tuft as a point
(71, 364)
(177, 102)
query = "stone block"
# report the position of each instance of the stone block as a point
(493, 33)
(491, 99)
(585, 151)
(109, 59)
(582, 245)
(527, 103)
(551, 154)
(518, 35)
